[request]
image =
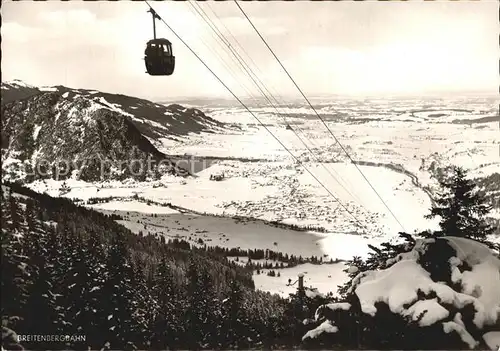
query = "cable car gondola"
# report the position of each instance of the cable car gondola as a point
(158, 56)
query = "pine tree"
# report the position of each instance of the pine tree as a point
(92, 317)
(461, 208)
(202, 314)
(42, 311)
(354, 267)
(166, 327)
(54, 246)
(118, 291)
(14, 273)
(234, 328)
(379, 257)
(193, 316)
(69, 270)
(30, 214)
(210, 310)
(84, 283)
(15, 213)
(142, 307)
(295, 313)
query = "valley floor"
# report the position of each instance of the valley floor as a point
(248, 234)
(263, 182)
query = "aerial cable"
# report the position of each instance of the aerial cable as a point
(251, 74)
(244, 51)
(254, 116)
(317, 114)
(231, 54)
(280, 103)
(235, 55)
(248, 70)
(227, 65)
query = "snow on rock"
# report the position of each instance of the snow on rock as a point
(483, 281)
(492, 339)
(312, 293)
(470, 251)
(325, 327)
(339, 306)
(448, 327)
(344, 306)
(352, 269)
(399, 285)
(430, 310)
(409, 287)
(396, 286)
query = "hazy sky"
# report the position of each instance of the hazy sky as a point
(328, 47)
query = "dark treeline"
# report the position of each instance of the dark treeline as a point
(261, 254)
(277, 224)
(252, 254)
(68, 270)
(276, 259)
(100, 200)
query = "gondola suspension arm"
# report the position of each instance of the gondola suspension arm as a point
(155, 16)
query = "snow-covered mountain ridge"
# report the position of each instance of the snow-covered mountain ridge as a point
(97, 134)
(152, 119)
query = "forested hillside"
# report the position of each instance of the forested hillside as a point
(73, 271)
(69, 270)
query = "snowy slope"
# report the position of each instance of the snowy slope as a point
(83, 128)
(379, 134)
(231, 233)
(152, 119)
(263, 181)
(48, 134)
(17, 90)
